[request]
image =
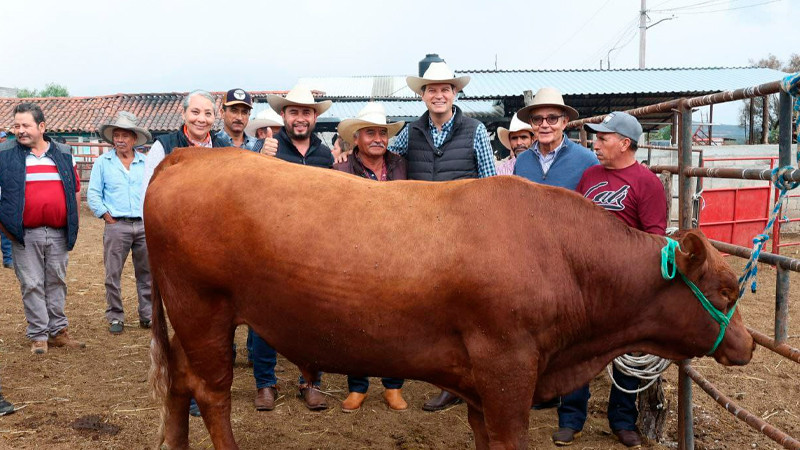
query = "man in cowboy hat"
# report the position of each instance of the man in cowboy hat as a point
(296, 140)
(635, 195)
(297, 144)
(115, 187)
(265, 124)
(39, 210)
(443, 145)
(517, 138)
(554, 159)
(369, 134)
(235, 115)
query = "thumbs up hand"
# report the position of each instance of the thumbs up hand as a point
(270, 146)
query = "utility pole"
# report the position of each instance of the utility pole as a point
(642, 33)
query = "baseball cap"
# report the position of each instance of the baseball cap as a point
(238, 96)
(617, 122)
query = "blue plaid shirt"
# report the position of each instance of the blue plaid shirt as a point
(248, 143)
(483, 149)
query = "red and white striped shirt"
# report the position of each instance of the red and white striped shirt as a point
(45, 204)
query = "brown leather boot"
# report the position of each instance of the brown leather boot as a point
(39, 347)
(314, 399)
(265, 398)
(444, 400)
(394, 398)
(63, 339)
(353, 402)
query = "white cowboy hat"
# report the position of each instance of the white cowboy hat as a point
(372, 115)
(437, 72)
(546, 96)
(265, 118)
(298, 96)
(516, 125)
(126, 121)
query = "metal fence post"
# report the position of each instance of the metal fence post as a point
(685, 420)
(781, 274)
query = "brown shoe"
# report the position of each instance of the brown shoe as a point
(39, 347)
(314, 399)
(63, 339)
(265, 398)
(629, 438)
(444, 400)
(394, 398)
(565, 436)
(353, 402)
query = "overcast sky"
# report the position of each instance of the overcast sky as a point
(106, 47)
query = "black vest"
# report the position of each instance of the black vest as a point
(12, 187)
(454, 160)
(318, 154)
(177, 139)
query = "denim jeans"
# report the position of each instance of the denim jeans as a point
(361, 384)
(264, 358)
(5, 244)
(622, 412)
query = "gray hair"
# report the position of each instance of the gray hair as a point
(207, 95)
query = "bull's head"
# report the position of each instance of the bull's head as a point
(702, 265)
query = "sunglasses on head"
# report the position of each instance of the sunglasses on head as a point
(551, 119)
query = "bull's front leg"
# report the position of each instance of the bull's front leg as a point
(505, 379)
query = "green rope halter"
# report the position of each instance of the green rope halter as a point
(668, 269)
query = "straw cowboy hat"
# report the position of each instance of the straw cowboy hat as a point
(516, 125)
(546, 96)
(437, 72)
(265, 118)
(372, 115)
(126, 121)
(298, 96)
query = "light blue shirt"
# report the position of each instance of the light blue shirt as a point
(484, 154)
(547, 160)
(114, 189)
(248, 143)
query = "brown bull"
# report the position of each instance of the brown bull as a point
(235, 237)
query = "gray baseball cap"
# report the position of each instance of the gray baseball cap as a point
(617, 122)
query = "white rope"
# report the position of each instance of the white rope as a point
(645, 367)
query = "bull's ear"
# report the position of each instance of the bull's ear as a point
(693, 253)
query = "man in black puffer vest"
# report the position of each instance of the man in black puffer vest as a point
(39, 199)
(444, 145)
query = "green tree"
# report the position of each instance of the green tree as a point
(50, 90)
(771, 62)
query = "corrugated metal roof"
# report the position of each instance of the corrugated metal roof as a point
(401, 109)
(496, 84)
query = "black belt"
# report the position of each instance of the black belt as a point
(128, 219)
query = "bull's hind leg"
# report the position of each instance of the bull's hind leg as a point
(207, 345)
(176, 425)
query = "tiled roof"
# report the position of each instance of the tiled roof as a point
(159, 112)
(401, 109)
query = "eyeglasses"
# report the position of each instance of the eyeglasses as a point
(551, 119)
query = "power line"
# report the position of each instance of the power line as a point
(618, 36)
(731, 9)
(572, 36)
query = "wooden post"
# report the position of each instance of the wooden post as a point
(752, 111)
(527, 97)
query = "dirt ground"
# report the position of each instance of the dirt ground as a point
(99, 398)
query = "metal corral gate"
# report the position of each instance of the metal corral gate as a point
(685, 171)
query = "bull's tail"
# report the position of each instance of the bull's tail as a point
(159, 375)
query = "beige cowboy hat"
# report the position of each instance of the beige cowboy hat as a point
(546, 96)
(298, 96)
(372, 115)
(265, 118)
(437, 72)
(516, 125)
(126, 121)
